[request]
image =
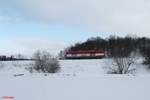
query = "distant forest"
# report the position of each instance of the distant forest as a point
(116, 46)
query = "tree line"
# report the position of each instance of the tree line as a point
(117, 46)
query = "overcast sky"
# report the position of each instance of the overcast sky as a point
(28, 25)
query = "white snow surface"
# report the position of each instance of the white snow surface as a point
(77, 80)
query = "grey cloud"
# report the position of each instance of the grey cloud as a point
(130, 16)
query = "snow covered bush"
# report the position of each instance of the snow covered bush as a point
(44, 62)
(146, 55)
(123, 64)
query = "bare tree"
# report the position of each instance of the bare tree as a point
(123, 64)
(44, 62)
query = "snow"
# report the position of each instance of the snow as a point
(76, 88)
(83, 66)
(78, 80)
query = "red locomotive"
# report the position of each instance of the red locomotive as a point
(89, 54)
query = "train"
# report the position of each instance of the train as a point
(86, 54)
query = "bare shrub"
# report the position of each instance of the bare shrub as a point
(146, 55)
(123, 64)
(44, 62)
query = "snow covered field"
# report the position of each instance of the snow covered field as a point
(78, 80)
